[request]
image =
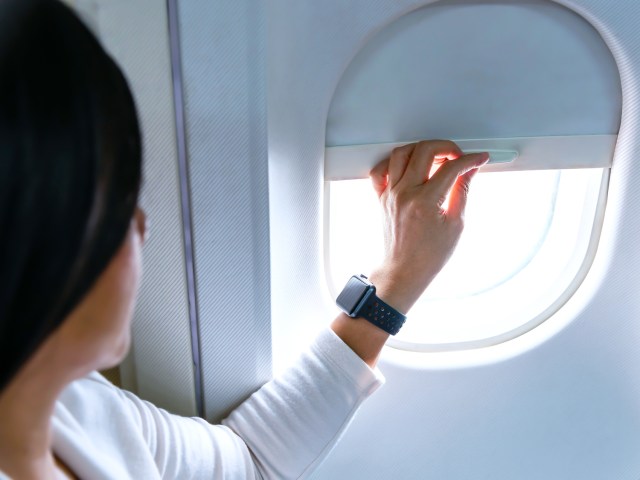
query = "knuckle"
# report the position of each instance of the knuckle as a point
(464, 187)
(460, 167)
(402, 150)
(418, 209)
(401, 198)
(378, 169)
(441, 199)
(450, 167)
(448, 144)
(396, 151)
(427, 147)
(442, 141)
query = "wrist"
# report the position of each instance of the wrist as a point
(400, 290)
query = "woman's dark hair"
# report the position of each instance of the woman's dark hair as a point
(70, 168)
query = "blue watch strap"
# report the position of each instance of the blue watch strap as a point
(382, 315)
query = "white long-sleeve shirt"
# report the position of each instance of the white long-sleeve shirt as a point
(282, 431)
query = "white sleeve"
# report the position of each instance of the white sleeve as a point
(282, 431)
(191, 448)
(294, 421)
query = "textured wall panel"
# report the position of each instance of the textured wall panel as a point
(136, 34)
(223, 48)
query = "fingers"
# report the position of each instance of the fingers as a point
(380, 176)
(424, 154)
(459, 194)
(398, 162)
(410, 165)
(454, 173)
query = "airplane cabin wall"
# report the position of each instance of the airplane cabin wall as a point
(561, 401)
(256, 81)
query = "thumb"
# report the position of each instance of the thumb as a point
(459, 194)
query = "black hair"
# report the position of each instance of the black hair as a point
(70, 170)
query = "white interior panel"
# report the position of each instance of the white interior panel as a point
(561, 401)
(225, 148)
(223, 55)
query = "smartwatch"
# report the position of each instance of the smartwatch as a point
(358, 299)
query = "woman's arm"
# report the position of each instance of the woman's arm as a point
(286, 428)
(419, 233)
(291, 423)
(283, 431)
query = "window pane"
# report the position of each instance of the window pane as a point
(525, 240)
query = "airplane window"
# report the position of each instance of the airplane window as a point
(532, 222)
(528, 241)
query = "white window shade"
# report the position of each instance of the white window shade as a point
(472, 69)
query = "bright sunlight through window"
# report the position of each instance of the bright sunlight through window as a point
(528, 242)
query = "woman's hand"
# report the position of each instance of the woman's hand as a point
(420, 231)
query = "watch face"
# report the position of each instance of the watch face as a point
(352, 295)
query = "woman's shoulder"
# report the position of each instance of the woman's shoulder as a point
(95, 425)
(94, 379)
(94, 395)
(92, 384)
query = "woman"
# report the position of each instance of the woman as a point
(70, 242)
